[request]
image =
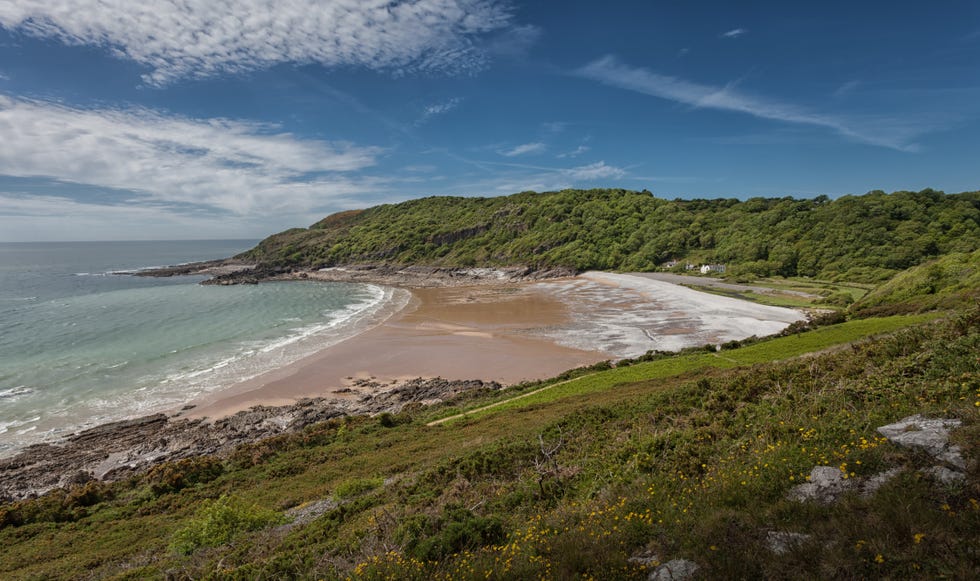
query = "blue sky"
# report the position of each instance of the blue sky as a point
(239, 118)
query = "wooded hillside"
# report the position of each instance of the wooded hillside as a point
(864, 238)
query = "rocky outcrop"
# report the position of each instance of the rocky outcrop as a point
(928, 435)
(211, 268)
(675, 570)
(387, 274)
(117, 450)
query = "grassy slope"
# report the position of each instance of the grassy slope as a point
(953, 278)
(693, 465)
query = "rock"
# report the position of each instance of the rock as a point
(944, 475)
(929, 435)
(825, 485)
(781, 542)
(121, 449)
(871, 484)
(645, 559)
(674, 570)
(75, 479)
(307, 512)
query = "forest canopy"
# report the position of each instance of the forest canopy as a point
(865, 238)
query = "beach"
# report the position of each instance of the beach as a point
(506, 332)
(423, 345)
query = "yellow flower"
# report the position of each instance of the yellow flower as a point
(879, 559)
(917, 537)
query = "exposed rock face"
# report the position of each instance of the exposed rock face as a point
(674, 570)
(825, 485)
(114, 451)
(395, 275)
(929, 435)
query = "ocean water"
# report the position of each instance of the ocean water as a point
(81, 344)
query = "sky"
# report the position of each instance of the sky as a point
(202, 119)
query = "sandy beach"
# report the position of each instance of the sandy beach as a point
(507, 333)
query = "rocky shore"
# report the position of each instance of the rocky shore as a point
(121, 449)
(230, 271)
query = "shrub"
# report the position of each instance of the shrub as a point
(218, 522)
(356, 487)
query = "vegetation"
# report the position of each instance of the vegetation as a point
(670, 455)
(952, 279)
(853, 238)
(654, 457)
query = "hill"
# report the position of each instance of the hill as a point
(607, 473)
(951, 279)
(855, 238)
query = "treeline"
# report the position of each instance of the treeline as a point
(864, 238)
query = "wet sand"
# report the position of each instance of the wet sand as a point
(492, 333)
(508, 333)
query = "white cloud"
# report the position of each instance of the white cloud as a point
(229, 165)
(438, 109)
(595, 171)
(524, 149)
(734, 33)
(575, 152)
(202, 38)
(894, 134)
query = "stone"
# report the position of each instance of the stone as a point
(781, 542)
(928, 435)
(944, 475)
(674, 570)
(825, 485)
(645, 558)
(873, 483)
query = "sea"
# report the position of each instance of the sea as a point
(83, 341)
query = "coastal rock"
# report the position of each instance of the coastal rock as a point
(120, 449)
(413, 276)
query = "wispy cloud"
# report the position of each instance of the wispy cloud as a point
(846, 88)
(608, 70)
(221, 164)
(595, 171)
(525, 149)
(437, 109)
(574, 153)
(202, 38)
(734, 33)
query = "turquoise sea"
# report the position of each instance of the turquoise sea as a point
(82, 341)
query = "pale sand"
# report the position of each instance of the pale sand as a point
(510, 333)
(485, 333)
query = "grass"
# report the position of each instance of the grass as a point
(663, 457)
(772, 350)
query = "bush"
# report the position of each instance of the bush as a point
(355, 487)
(218, 522)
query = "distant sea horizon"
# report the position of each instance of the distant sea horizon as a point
(83, 342)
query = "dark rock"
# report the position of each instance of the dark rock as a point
(121, 449)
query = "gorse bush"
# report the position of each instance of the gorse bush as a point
(218, 522)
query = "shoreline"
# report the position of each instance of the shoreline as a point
(483, 331)
(490, 332)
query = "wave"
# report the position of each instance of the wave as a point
(14, 392)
